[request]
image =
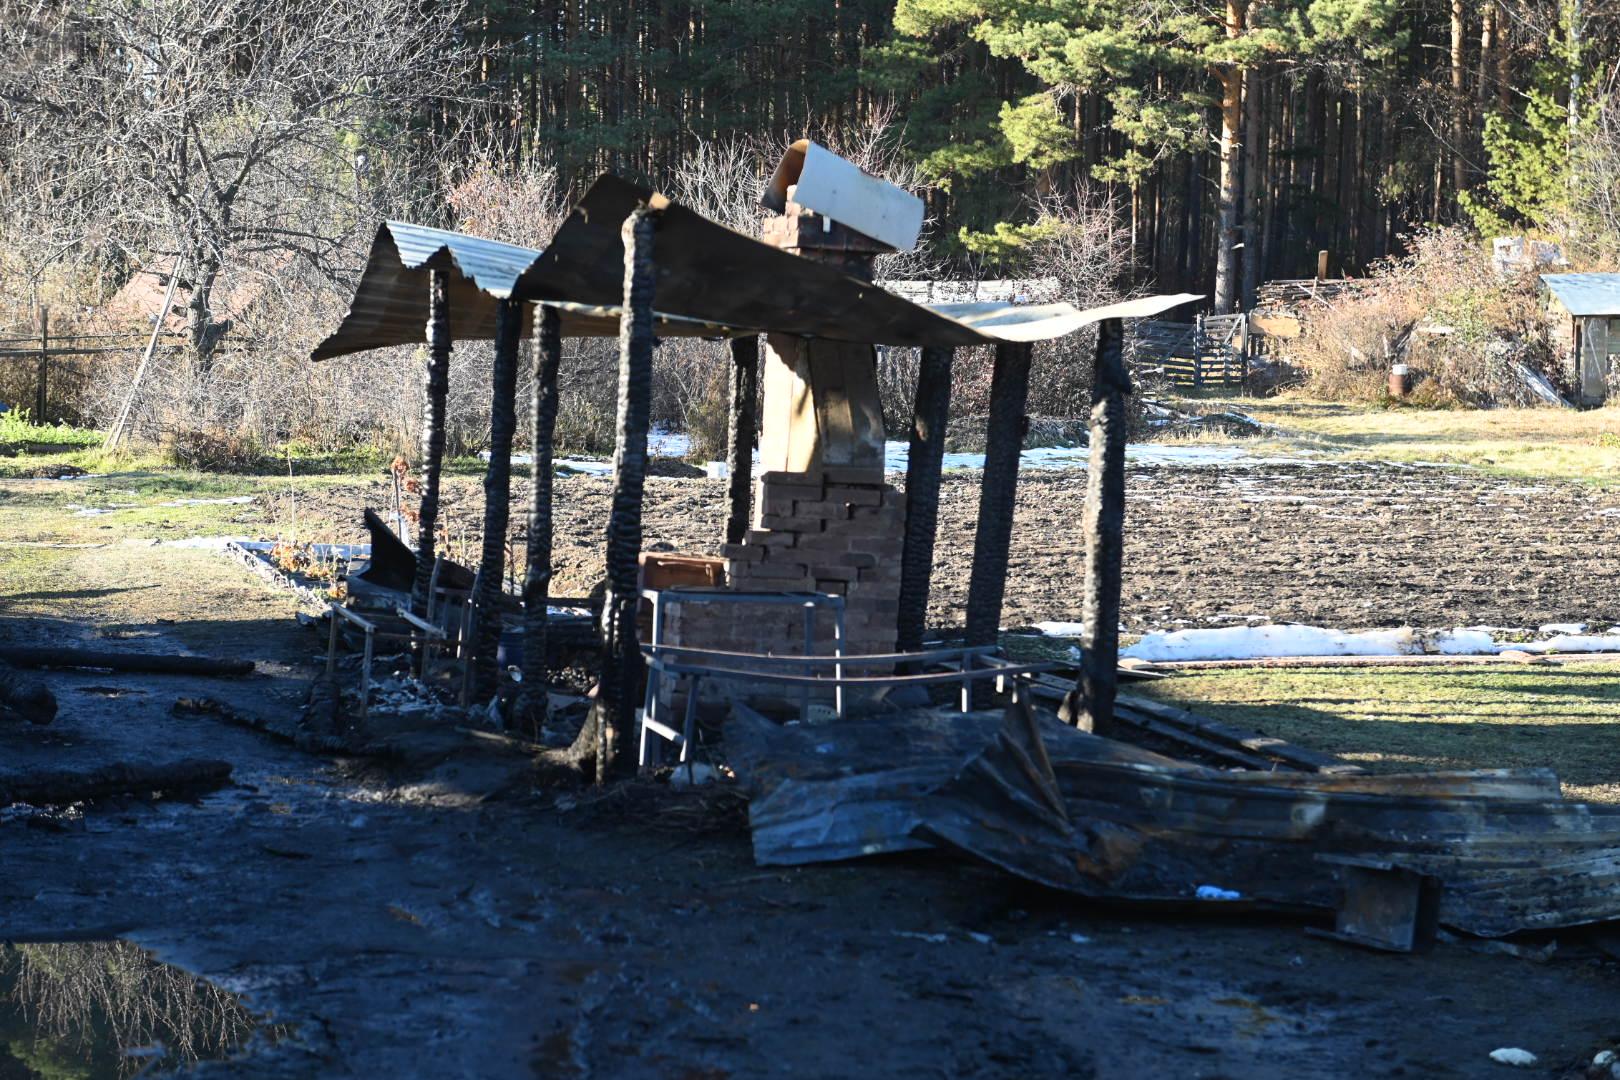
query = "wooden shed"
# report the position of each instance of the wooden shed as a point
(1585, 313)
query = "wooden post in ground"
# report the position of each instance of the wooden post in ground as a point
(497, 492)
(533, 703)
(1004, 440)
(929, 414)
(41, 390)
(740, 434)
(437, 388)
(1091, 704)
(612, 719)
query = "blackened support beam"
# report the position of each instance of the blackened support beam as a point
(438, 387)
(930, 413)
(740, 434)
(509, 317)
(613, 714)
(1104, 523)
(1004, 441)
(534, 703)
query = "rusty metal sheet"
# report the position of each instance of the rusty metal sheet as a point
(1510, 855)
(711, 282)
(1105, 819)
(821, 793)
(390, 303)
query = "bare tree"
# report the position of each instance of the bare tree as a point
(226, 130)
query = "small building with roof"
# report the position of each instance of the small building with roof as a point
(1585, 313)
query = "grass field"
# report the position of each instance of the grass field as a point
(1411, 719)
(1540, 443)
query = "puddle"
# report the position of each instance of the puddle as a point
(106, 1010)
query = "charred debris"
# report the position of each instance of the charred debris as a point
(798, 662)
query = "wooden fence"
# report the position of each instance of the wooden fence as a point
(1213, 350)
(43, 351)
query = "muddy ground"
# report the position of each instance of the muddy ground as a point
(1345, 545)
(449, 919)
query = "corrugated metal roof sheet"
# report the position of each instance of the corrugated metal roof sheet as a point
(1586, 294)
(711, 281)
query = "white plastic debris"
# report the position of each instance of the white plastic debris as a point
(695, 775)
(1215, 892)
(1079, 939)
(932, 939)
(1604, 1059)
(1512, 1055)
(982, 939)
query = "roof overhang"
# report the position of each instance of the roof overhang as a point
(711, 281)
(1586, 294)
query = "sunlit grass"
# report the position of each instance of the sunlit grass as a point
(1402, 719)
(1567, 444)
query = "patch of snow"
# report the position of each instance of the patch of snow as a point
(1512, 1055)
(1289, 640)
(895, 454)
(1464, 643)
(1251, 642)
(1573, 643)
(588, 466)
(1061, 629)
(1562, 628)
(660, 444)
(207, 543)
(231, 501)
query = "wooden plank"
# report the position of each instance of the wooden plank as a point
(1238, 738)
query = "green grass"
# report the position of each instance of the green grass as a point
(16, 427)
(1406, 719)
(1538, 443)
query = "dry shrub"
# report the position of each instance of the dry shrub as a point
(1466, 327)
(213, 450)
(708, 416)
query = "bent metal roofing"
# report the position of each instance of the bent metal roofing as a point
(710, 282)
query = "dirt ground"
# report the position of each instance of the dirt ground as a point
(1347, 546)
(452, 920)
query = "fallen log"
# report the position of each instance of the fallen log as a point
(154, 663)
(62, 787)
(25, 698)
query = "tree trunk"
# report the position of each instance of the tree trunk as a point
(537, 575)
(1459, 100)
(1576, 30)
(608, 735)
(1226, 271)
(1004, 441)
(1253, 184)
(200, 326)
(438, 386)
(930, 413)
(741, 434)
(498, 492)
(1091, 704)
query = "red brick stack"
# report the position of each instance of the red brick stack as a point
(836, 530)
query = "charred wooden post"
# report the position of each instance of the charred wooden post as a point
(930, 413)
(1004, 441)
(740, 434)
(534, 703)
(438, 386)
(497, 492)
(612, 718)
(1091, 704)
